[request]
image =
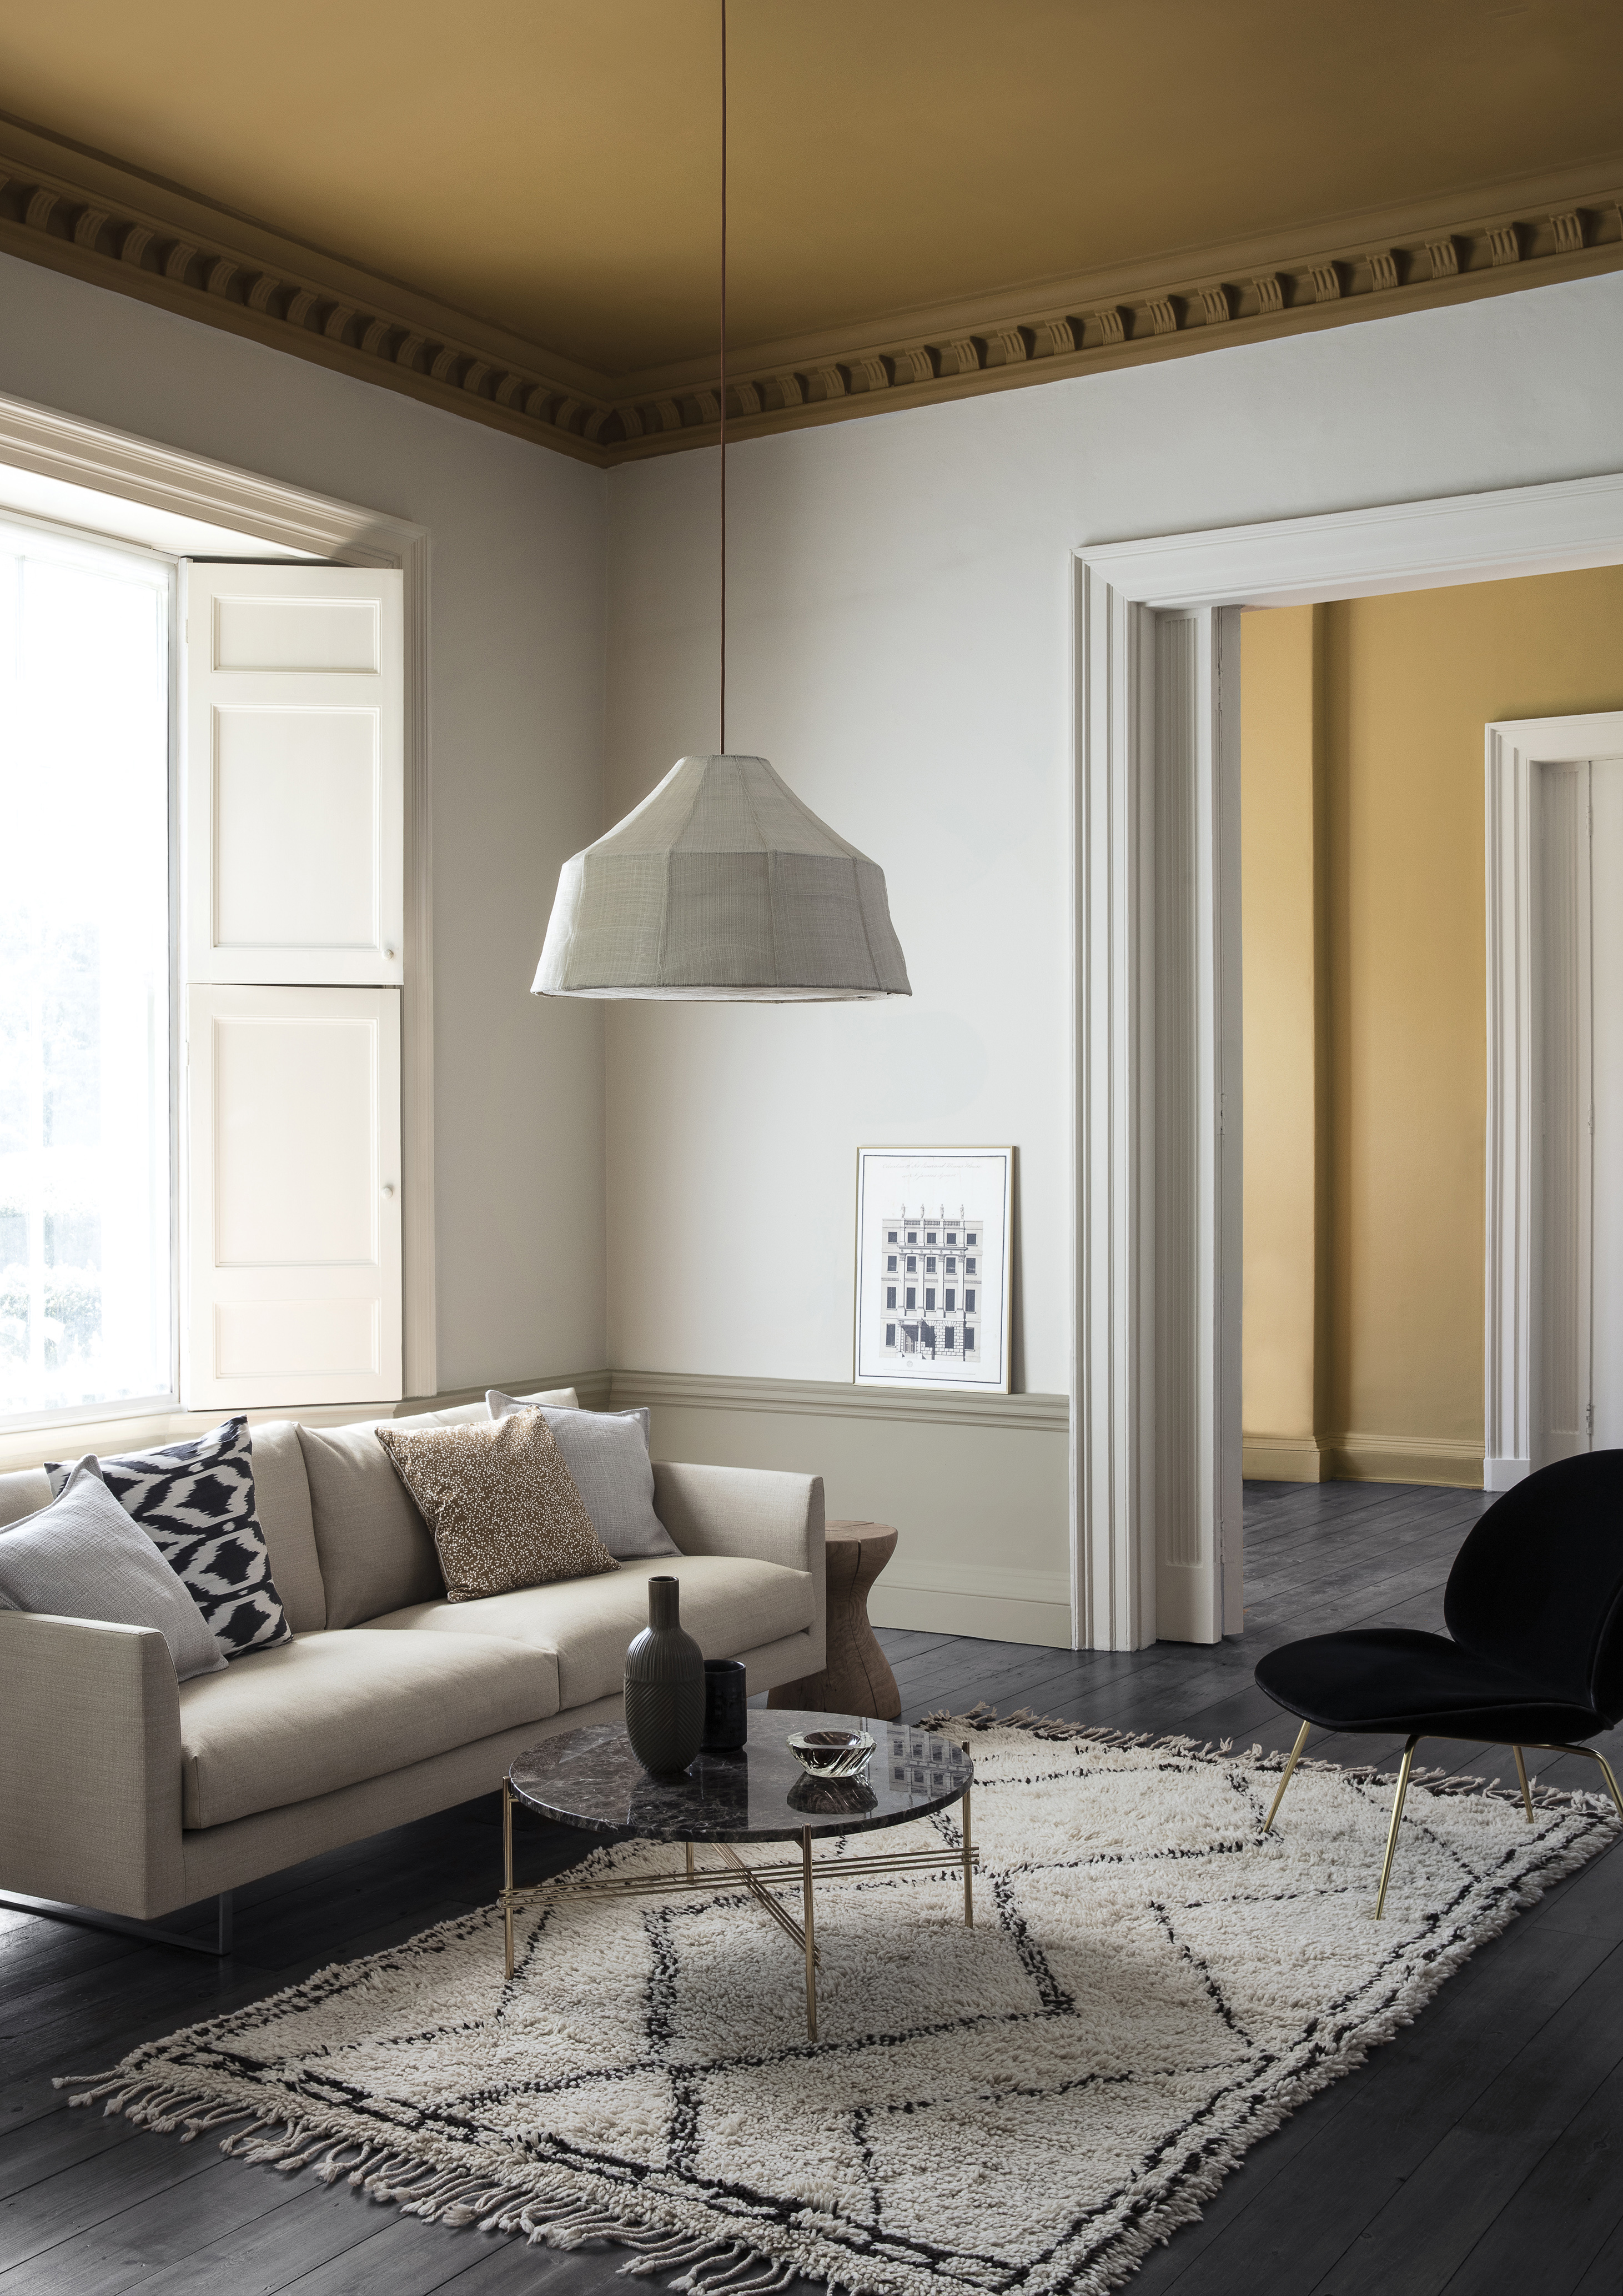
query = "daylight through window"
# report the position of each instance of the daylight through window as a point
(85, 1224)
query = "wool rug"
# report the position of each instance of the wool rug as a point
(1152, 1984)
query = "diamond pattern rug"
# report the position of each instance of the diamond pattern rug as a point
(1151, 1985)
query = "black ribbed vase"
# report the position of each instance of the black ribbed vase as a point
(664, 1687)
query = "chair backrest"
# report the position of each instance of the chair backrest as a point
(1538, 1584)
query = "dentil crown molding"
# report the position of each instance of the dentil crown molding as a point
(81, 213)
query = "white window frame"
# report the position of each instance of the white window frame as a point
(169, 490)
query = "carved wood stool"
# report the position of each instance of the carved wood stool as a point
(857, 1678)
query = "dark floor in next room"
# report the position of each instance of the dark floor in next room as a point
(1479, 2153)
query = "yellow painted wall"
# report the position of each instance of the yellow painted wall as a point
(1404, 687)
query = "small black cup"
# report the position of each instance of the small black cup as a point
(726, 1712)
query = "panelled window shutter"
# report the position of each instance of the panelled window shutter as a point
(291, 918)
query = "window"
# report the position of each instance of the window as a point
(931, 1238)
(890, 1333)
(929, 1296)
(969, 1302)
(951, 1235)
(913, 1235)
(891, 1237)
(969, 1238)
(951, 1300)
(889, 1295)
(86, 1248)
(913, 1264)
(929, 1264)
(969, 1266)
(969, 1341)
(891, 1264)
(950, 1334)
(913, 1298)
(952, 1265)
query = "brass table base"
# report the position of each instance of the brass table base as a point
(757, 1880)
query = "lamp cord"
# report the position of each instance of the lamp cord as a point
(724, 376)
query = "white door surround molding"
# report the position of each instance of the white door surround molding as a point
(1516, 749)
(1155, 1425)
(190, 486)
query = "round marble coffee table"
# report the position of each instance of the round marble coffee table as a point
(590, 1779)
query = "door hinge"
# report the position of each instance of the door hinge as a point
(1589, 1420)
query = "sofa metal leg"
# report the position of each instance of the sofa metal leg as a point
(1391, 1839)
(1301, 1740)
(86, 1918)
(1521, 1772)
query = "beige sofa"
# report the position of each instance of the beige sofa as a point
(125, 1791)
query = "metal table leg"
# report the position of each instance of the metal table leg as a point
(507, 1869)
(969, 1867)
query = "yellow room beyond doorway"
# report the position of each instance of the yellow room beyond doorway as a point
(1365, 1004)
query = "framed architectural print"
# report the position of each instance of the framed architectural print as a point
(933, 1259)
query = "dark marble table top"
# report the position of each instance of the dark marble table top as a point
(591, 1778)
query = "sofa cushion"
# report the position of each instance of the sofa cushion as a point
(503, 1507)
(377, 1553)
(282, 1492)
(196, 1502)
(330, 1709)
(84, 1557)
(606, 1453)
(729, 1606)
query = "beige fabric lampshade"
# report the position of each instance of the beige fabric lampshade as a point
(722, 885)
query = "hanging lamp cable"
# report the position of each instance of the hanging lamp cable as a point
(724, 376)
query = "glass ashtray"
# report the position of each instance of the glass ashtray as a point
(832, 1753)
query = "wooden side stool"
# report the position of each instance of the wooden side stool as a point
(857, 1678)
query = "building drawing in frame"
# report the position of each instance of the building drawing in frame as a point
(933, 1266)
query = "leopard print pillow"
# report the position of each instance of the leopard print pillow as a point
(502, 1506)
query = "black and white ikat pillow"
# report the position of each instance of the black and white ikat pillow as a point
(195, 1501)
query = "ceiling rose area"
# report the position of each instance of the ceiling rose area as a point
(549, 166)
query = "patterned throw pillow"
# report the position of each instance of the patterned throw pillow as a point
(195, 1501)
(502, 1506)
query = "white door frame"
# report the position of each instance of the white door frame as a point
(1155, 1392)
(1515, 749)
(189, 486)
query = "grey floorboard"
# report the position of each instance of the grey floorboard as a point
(1481, 2151)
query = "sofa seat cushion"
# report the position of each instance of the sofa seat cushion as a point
(328, 1709)
(729, 1605)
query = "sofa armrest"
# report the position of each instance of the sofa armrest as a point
(770, 1516)
(90, 1781)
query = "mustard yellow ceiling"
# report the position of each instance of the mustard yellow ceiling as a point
(552, 165)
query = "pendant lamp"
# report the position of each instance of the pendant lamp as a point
(721, 885)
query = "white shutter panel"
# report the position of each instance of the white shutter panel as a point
(292, 1138)
(292, 774)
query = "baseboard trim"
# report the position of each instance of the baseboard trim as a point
(838, 1399)
(1504, 1474)
(1361, 1458)
(1281, 1459)
(962, 1598)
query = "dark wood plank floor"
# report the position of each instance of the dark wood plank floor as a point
(1477, 2154)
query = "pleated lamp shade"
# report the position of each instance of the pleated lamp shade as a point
(722, 885)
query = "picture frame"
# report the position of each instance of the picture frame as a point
(934, 1313)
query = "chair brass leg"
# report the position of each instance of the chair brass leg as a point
(1391, 1839)
(1301, 1740)
(507, 1869)
(811, 1941)
(1521, 1772)
(1593, 1754)
(969, 1867)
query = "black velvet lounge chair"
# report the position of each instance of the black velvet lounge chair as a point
(1534, 1652)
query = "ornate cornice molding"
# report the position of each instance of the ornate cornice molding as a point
(80, 214)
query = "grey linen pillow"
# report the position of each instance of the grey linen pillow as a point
(501, 1505)
(607, 1454)
(82, 1557)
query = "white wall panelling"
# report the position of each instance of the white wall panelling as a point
(291, 1276)
(1542, 1074)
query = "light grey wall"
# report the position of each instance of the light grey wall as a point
(517, 622)
(899, 644)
